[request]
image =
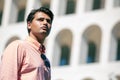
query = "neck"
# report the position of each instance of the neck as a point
(39, 38)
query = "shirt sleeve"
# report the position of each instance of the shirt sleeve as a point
(10, 63)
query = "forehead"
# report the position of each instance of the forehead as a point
(41, 14)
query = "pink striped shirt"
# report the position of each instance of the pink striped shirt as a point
(21, 61)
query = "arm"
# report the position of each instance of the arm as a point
(10, 62)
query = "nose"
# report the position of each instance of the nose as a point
(45, 21)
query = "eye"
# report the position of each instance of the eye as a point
(40, 19)
(49, 21)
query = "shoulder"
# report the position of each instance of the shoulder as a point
(15, 47)
(12, 48)
(15, 44)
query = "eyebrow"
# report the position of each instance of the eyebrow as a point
(43, 17)
(48, 19)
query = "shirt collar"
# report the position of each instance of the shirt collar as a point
(33, 41)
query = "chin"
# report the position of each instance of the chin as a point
(44, 34)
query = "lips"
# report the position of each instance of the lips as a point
(44, 28)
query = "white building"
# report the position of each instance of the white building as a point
(84, 43)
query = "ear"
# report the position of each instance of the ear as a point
(29, 25)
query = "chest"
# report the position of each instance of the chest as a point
(31, 60)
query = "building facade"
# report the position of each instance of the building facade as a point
(84, 43)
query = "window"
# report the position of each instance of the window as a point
(118, 50)
(65, 53)
(0, 17)
(98, 4)
(71, 5)
(94, 4)
(116, 3)
(21, 15)
(67, 7)
(1, 10)
(18, 9)
(91, 52)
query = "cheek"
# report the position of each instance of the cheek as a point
(49, 26)
(35, 27)
(49, 29)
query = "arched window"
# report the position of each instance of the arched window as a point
(62, 48)
(90, 45)
(115, 43)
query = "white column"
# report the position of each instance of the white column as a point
(109, 4)
(105, 46)
(49, 48)
(29, 6)
(75, 52)
(80, 6)
(55, 6)
(6, 12)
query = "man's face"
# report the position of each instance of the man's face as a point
(41, 24)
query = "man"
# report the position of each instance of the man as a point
(25, 60)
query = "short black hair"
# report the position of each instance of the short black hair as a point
(41, 9)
